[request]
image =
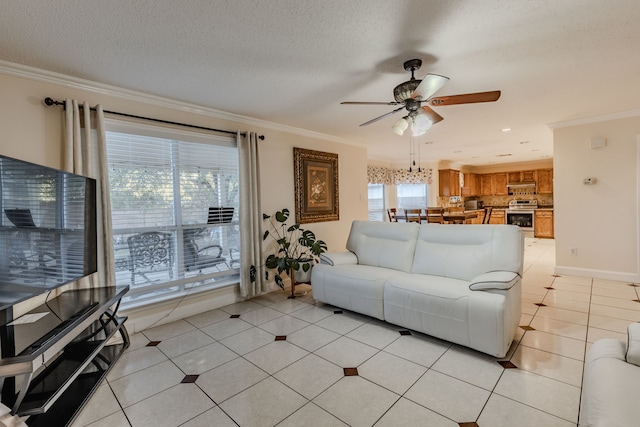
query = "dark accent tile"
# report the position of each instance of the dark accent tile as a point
(405, 332)
(636, 300)
(350, 372)
(527, 328)
(189, 379)
(635, 285)
(556, 275)
(234, 316)
(539, 304)
(550, 288)
(507, 364)
(281, 337)
(338, 311)
(471, 424)
(153, 343)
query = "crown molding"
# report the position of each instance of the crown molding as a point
(595, 119)
(37, 74)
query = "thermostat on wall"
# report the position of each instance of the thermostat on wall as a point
(589, 181)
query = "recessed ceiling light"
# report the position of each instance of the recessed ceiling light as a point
(505, 130)
(524, 142)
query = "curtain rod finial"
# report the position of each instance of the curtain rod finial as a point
(49, 101)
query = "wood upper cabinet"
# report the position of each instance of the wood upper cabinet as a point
(543, 223)
(486, 185)
(471, 185)
(449, 182)
(544, 181)
(500, 184)
(521, 176)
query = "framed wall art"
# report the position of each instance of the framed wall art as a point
(316, 186)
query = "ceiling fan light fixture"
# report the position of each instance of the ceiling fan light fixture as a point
(401, 125)
(421, 124)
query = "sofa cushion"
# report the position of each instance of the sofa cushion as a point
(389, 245)
(633, 344)
(465, 251)
(494, 280)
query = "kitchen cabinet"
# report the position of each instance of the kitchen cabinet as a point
(471, 185)
(498, 216)
(543, 223)
(486, 185)
(500, 184)
(544, 181)
(521, 176)
(449, 182)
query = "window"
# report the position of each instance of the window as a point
(376, 202)
(162, 184)
(412, 196)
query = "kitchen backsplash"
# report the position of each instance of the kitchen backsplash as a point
(543, 200)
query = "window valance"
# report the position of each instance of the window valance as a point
(388, 176)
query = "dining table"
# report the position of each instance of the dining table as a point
(458, 217)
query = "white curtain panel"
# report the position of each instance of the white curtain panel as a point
(85, 153)
(252, 280)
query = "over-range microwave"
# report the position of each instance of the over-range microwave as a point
(473, 204)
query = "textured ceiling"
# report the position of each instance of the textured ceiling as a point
(292, 62)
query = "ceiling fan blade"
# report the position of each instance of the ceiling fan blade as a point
(467, 98)
(433, 116)
(382, 116)
(429, 85)
(370, 103)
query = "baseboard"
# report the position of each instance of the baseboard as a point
(598, 274)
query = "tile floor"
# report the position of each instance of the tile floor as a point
(295, 363)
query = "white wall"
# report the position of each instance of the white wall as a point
(600, 220)
(33, 132)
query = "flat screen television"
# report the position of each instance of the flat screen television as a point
(47, 229)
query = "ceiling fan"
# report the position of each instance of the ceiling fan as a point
(411, 94)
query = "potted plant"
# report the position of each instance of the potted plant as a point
(297, 249)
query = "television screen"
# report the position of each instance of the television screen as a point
(47, 229)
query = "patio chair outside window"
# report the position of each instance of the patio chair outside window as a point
(150, 252)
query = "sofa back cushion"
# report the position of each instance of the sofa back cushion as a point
(465, 251)
(384, 244)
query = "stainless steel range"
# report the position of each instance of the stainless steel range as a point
(520, 213)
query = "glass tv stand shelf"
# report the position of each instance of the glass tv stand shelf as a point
(55, 356)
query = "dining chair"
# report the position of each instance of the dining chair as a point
(435, 215)
(487, 215)
(413, 215)
(392, 213)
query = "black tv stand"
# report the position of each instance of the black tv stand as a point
(53, 362)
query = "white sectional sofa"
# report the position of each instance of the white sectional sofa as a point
(611, 382)
(460, 283)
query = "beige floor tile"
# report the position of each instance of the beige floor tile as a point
(503, 412)
(275, 356)
(609, 301)
(356, 401)
(346, 353)
(160, 409)
(555, 344)
(168, 330)
(203, 319)
(549, 365)
(312, 313)
(264, 404)
(145, 383)
(578, 280)
(608, 323)
(613, 291)
(376, 334)
(260, 316)
(247, 341)
(571, 287)
(229, 379)
(311, 415)
(552, 300)
(136, 360)
(284, 325)
(102, 404)
(419, 349)
(557, 327)
(563, 315)
(595, 334)
(312, 337)
(340, 323)
(118, 419)
(201, 360)
(450, 397)
(555, 397)
(406, 413)
(226, 328)
(470, 366)
(391, 372)
(184, 343)
(241, 307)
(212, 417)
(615, 312)
(288, 306)
(310, 375)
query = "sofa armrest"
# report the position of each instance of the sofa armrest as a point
(633, 344)
(338, 258)
(494, 280)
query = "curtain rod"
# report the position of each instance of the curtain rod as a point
(49, 101)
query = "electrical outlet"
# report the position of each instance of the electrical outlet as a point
(573, 251)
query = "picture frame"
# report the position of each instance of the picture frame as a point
(316, 186)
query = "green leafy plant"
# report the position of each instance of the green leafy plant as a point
(297, 248)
